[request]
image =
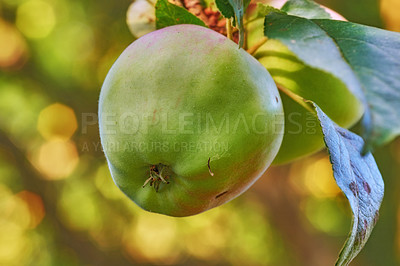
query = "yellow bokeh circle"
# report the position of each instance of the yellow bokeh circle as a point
(12, 46)
(57, 121)
(35, 19)
(56, 159)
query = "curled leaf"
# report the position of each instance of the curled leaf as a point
(359, 178)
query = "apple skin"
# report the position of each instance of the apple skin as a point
(303, 135)
(154, 111)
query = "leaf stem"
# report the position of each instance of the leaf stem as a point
(300, 100)
(255, 47)
(250, 20)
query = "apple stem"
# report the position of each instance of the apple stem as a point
(255, 47)
(300, 100)
(229, 31)
(209, 168)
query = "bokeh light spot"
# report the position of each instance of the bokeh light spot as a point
(35, 19)
(314, 176)
(319, 179)
(79, 207)
(105, 184)
(154, 236)
(326, 216)
(390, 14)
(20, 105)
(35, 206)
(57, 159)
(14, 220)
(209, 235)
(12, 46)
(57, 121)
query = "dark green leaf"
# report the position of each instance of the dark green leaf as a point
(168, 14)
(225, 8)
(313, 46)
(365, 58)
(360, 180)
(305, 8)
(374, 55)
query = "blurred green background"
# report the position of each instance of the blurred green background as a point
(59, 206)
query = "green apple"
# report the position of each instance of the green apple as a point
(187, 120)
(141, 17)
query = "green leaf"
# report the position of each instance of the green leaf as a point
(234, 9)
(359, 178)
(225, 8)
(365, 58)
(305, 8)
(374, 56)
(168, 14)
(263, 10)
(312, 46)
